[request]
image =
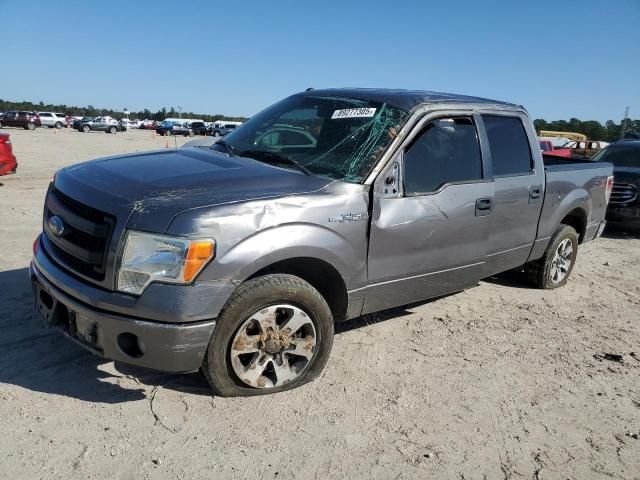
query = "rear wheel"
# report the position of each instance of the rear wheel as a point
(30, 126)
(275, 333)
(555, 266)
(58, 125)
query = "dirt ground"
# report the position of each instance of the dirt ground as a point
(500, 381)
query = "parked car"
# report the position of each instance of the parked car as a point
(222, 129)
(174, 127)
(8, 163)
(546, 146)
(127, 124)
(239, 258)
(624, 206)
(79, 121)
(101, 124)
(53, 120)
(200, 128)
(26, 120)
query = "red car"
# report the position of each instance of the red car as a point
(8, 162)
(26, 120)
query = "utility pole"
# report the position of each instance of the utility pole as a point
(623, 130)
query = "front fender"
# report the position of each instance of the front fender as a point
(288, 241)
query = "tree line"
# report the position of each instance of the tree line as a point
(609, 132)
(91, 111)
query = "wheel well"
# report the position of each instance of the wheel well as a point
(577, 219)
(321, 275)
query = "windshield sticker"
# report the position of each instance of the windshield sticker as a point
(354, 113)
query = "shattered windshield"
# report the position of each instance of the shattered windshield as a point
(336, 137)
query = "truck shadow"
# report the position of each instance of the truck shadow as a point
(619, 231)
(40, 359)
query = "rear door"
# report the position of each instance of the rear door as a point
(519, 189)
(430, 218)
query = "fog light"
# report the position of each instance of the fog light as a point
(131, 345)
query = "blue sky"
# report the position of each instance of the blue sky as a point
(560, 59)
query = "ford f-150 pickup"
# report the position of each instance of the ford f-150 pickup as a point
(238, 258)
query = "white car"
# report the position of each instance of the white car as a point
(51, 119)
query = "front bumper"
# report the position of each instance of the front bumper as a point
(171, 347)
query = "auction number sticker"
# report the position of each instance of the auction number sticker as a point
(354, 113)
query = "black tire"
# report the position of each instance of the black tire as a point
(190, 134)
(86, 128)
(0, 124)
(30, 126)
(58, 125)
(251, 297)
(539, 272)
(216, 133)
(112, 130)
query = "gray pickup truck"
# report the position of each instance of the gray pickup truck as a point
(238, 258)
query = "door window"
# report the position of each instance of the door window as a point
(509, 144)
(446, 151)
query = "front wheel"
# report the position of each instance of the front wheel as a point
(216, 133)
(86, 128)
(275, 333)
(112, 130)
(555, 266)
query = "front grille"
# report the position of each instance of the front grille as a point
(623, 193)
(82, 246)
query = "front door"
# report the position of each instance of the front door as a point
(429, 229)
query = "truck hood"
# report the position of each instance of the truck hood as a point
(151, 188)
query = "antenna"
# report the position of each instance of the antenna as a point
(623, 130)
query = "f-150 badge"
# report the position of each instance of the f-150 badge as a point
(349, 217)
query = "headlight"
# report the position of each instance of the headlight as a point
(158, 258)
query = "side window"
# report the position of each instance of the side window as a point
(509, 145)
(446, 151)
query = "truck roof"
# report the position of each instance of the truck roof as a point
(400, 98)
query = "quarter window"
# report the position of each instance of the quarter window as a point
(446, 151)
(509, 144)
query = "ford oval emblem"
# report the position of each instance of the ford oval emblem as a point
(56, 225)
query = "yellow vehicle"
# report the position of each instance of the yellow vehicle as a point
(576, 137)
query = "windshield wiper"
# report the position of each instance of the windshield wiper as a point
(272, 157)
(226, 146)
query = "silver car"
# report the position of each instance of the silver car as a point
(51, 120)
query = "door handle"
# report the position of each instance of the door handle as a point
(535, 193)
(484, 206)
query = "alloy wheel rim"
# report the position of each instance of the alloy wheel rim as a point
(273, 346)
(561, 261)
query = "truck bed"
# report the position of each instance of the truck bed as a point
(569, 179)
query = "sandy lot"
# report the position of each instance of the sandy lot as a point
(500, 381)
